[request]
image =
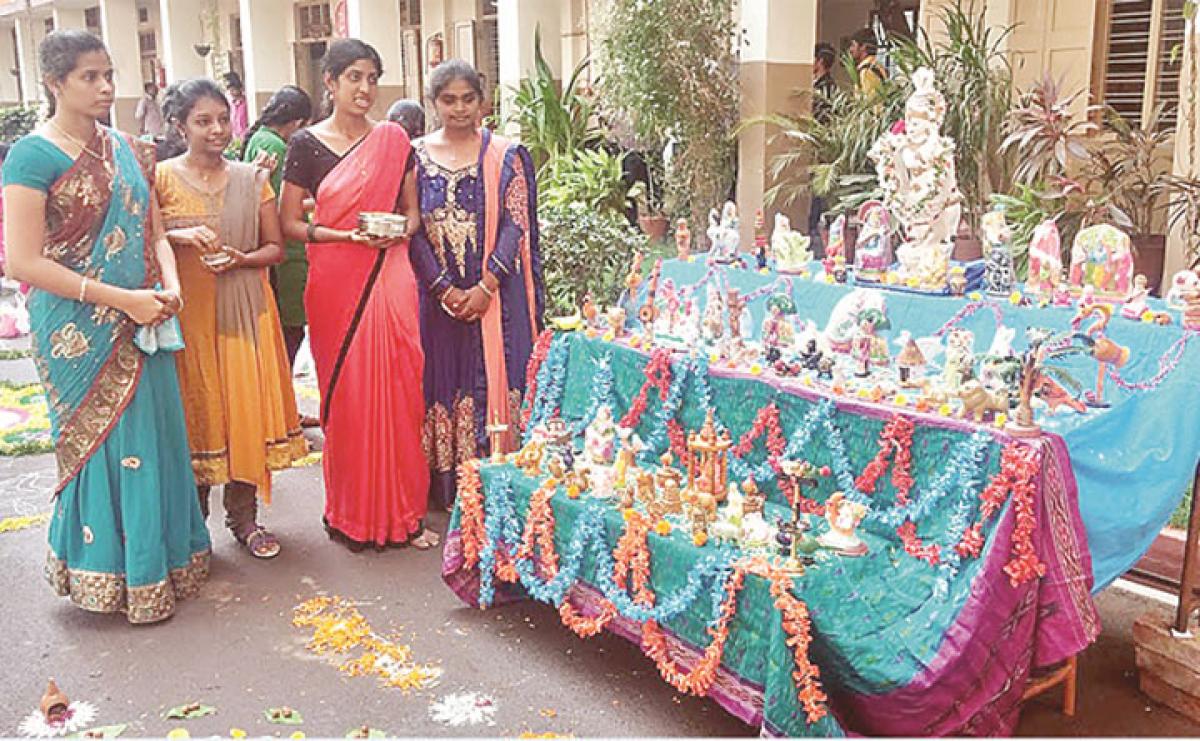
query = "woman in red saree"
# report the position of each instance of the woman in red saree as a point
(362, 306)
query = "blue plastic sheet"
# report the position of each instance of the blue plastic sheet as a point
(1133, 461)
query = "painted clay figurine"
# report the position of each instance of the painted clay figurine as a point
(843, 320)
(863, 345)
(910, 363)
(599, 439)
(998, 266)
(724, 239)
(873, 248)
(1045, 260)
(1135, 303)
(843, 516)
(778, 332)
(1102, 257)
(960, 359)
(791, 249)
(1182, 283)
(683, 240)
(761, 254)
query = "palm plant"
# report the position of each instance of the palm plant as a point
(552, 123)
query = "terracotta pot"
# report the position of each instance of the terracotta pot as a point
(1149, 251)
(654, 226)
(967, 246)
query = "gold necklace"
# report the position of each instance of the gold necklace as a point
(204, 175)
(82, 146)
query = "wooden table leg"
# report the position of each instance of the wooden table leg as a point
(1187, 581)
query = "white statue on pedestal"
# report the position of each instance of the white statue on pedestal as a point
(915, 166)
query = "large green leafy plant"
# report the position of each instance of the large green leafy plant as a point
(17, 121)
(585, 251)
(670, 70)
(554, 121)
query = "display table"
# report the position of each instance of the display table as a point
(978, 569)
(1133, 462)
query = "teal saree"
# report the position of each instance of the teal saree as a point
(126, 534)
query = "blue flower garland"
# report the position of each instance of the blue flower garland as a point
(551, 378)
(602, 392)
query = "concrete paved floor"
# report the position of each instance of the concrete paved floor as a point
(234, 646)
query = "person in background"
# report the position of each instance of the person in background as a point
(863, 48)
(409, 114)
(126, 534)
(239, 112)
(148, 113)
(221, 218)
(480, 272)
(288, 111)
(4, 147)
(824, 58)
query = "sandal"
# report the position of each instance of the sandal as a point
(426, 540)
(308, 421)
(261, 543)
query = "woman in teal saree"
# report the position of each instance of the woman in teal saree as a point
(126, 533)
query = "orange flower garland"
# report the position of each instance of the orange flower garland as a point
(895, 443)
(700, 679)
(470, 506)
(632, 558)
(797, 625)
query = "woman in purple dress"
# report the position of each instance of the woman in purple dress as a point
(480, 274)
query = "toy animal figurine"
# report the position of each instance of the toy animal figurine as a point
(683, 240)
(1103, 350)
(1055, 396)
(977, 400)
(529, 458)
(873, 249)
(791, 249)
(843, 516)
(1135, 303)
(998, 267)
(960, 359)
(1182, 283)
(724, 239)
(1102, 257)
(811, 356)
(777, 329)
(1045, 260)
(760, 240)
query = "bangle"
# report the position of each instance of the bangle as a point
(83, 289)
(312, 231)
(487, 291)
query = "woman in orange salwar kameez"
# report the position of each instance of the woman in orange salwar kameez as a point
(362, 307)
(234, 370)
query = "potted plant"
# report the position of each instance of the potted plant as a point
(1132, 164)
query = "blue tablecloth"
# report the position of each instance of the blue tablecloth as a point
(1133, 461)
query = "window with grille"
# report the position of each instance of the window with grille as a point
(91, 19)
(487, 47)
(1142, 67)
(410, 12)
(235, 32)
(147, 43)
(49, 25)
(314, 21)
(143, 15)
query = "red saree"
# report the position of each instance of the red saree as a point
(365, 335)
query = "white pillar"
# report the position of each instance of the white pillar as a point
(776, 62)
(31, 79)
(266, 53)
(181, 31)
(518, 21)
(1187, 150)
(66, 18)
(119, 22)
(378, 24)
(10, 91)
